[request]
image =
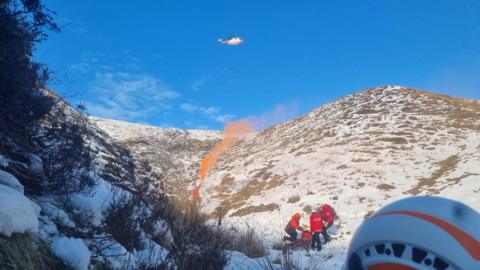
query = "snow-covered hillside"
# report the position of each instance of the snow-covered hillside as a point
(174, 154)
(357, 153)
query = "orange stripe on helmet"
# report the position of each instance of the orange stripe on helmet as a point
(467, 241)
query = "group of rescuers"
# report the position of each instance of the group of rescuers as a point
(321, 219)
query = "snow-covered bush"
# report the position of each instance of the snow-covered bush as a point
(17, 212)
(10, 181)
(73, 251)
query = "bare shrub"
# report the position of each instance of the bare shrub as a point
(195, 244)
(246, 241)
(122, 223)
(68, 160)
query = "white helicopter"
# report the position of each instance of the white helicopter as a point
(231, 41)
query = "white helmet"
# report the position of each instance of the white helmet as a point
(418, 233)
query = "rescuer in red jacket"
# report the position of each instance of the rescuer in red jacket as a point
(329, 214)
(316, 226)
(292, 227)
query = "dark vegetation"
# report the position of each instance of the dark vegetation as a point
(25, 100)
(67, 138)
(22, 80)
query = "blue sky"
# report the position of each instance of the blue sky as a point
(159, 62)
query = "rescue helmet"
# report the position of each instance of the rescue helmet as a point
(417, 233)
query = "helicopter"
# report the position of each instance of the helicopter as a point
(231, 41)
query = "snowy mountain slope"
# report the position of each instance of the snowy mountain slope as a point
(174, 154)
(357, 153)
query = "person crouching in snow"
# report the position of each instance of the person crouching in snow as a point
(292, 227)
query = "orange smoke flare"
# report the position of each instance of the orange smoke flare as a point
(231, 132)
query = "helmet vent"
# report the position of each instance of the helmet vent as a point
(439, 264)
(380, 248)
(418, 255)
(398, 250)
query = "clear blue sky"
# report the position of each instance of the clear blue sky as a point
(159, 62)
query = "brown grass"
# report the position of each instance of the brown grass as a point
(254, 187)
(360, 184)
(385, 187)
(227, 180)
(445, 166)
(368, 111)
(307, 208)
(293, 199)
(309, 150)
(22, 252)
(255, 209)
(395, 140)
(358, 160)
(455, 180)
(368, 214)
(341, 167)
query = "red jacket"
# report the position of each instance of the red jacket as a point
(316, 222)
(326, 207)
(294, 223)
(327, 214)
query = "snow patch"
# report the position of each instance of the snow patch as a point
(11, 181)
(57, 214)
(153, 255)
(97, 202)
(17, 212)
(3, 161)
(238, 260)
(36, 164)
(72, 251)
